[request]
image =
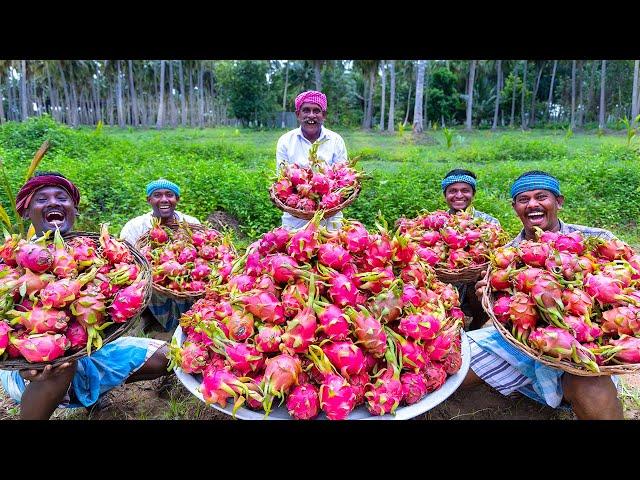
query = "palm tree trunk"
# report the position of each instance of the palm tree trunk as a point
(172, 104)
(134, 97)
(191, 97)
(201, 96)
(592, 86)
(513, 96)
(573, 94)
(383, 99)
(406, 116)
(580, 106)
(635, 93)
(523, 119)
(498, 90)
(550, 99)
(23, 90)
(317, 70)
(532, 117)
(119, 105)
(392, 95)
(418, 126)
(183, 100)
(160, 120)
(10, 101)
(2, 120)
(603, 75)
(284, 95)
(472, 76)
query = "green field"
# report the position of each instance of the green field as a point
(230, 169)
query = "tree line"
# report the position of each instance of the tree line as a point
(386, 95)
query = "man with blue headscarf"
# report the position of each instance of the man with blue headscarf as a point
(536, 199)
(459, 189)
(163, 196)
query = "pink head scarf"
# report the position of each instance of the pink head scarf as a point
(312, 96)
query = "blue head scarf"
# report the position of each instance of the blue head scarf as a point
(162, 183)
(535, 181)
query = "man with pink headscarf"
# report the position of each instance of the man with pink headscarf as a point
(294, 146)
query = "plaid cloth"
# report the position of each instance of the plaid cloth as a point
(312, 96)
(167, 311)
(506, 368)
(95, 375)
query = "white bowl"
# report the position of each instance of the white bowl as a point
(192, 383)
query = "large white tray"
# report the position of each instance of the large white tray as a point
(192, 383)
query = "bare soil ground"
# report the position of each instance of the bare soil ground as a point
(144, 401)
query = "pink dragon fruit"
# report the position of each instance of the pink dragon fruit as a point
(501, 308)
(77, 336)
(435, 375)
(303, 403)
(64, 264)
(43, 347)
(627, 349)
(268, 338)
(333, 322)
(346, 357)
(191, 357)
(280, 374)
(4, 336)
(61, 293)
(34, 256)
(368, 331)
(158, 234)
(300, 331)
(113, 250)
(127, 302)
(40, 320)
(523, 314)
(240, 326)
(265, 306)
(385, 394)
(559, 343)
(421, 326)
(583, 331)
(337, 397)
(414, 387)
(333, 256)
(621, 321)
(218, 385)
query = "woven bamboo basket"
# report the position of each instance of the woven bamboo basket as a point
(309, 215)
(562, 364)
(460, 275)
(167, 292)
(112, 331)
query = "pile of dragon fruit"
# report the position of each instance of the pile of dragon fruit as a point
(57, 297)
(453, 241)
(570, 298)
(323, 321)
(187, 259)
(317, 186)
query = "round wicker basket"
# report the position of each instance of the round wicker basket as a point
(562, 364)
(143, 241)
(112, 331)
(309, 215)
(460, 275)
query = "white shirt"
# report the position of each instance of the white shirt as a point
(138, 226)
(293, 148)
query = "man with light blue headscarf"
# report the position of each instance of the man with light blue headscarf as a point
(163, 196)
(536, 199)
(459, 190)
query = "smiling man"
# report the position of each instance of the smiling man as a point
(163, 196)
(536, 199)
(459, 189)
(51, 201)
(293, 147)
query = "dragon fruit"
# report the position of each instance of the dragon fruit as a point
(34, 256)
(303, 403)
(414, 387)
(559, 343)
(40, 320)
(337, 397)
(127, 302)
(4, 336)
(280, 374)
(64, 264)
(43, 347)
